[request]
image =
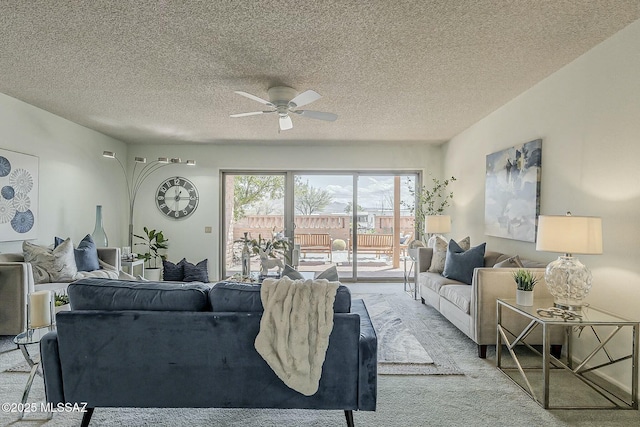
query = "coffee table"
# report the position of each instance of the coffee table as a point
(30, 337)
(602, 328)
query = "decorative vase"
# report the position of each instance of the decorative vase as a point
(98, 235)
(246, 258)
(524, 297)
(152, 274)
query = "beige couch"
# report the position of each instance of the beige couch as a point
(16, 282)
(472, 308)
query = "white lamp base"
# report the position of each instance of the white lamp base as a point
(569, 281)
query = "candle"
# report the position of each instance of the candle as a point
(40, 309)
(295, 256)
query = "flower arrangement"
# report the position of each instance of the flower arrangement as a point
(525, 280)
(278, 245)
(60, 299)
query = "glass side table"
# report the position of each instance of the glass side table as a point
(30, 337)
(409, 286)
(601, 327)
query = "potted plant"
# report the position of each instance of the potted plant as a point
(525, 281)
(428, 201)
(154, 242)
(269, 250)
(61, 302)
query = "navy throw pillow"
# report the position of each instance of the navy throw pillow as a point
(86, 254)
(196, 273)
(460, 264)
(173, 272)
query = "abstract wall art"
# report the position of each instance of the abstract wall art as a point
(512, 192)
(18, 196)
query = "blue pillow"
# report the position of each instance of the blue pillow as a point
(173, 272)
(291, 273)
(86, 254)
(196, 273)
(331, 274)
(460, 264)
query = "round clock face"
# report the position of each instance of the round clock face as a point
(177, 197)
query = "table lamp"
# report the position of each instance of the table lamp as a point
(435, 225)
(568, 280)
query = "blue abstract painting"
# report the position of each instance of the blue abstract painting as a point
(512, 192)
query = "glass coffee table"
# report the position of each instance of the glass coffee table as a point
(23, 340)
(595, 328)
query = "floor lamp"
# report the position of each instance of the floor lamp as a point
(138, 175)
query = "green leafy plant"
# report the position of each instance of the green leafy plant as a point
(429, 200)
(60, 299)
(525, 280)
(155, 242)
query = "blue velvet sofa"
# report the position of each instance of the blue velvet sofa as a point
(170, 345)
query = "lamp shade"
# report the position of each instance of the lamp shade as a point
(434, 224)
(569, 234)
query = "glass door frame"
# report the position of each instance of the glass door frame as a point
(289, 206)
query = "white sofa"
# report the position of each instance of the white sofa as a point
(472, 308)
(16, 282)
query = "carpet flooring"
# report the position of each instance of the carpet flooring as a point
(482, 396)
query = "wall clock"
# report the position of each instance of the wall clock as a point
(177, 197)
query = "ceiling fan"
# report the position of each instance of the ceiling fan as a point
(286, 101)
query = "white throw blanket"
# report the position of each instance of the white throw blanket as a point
(295, 328)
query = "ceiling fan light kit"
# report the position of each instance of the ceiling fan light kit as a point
(284, 101)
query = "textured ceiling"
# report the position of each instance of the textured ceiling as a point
(165, 71)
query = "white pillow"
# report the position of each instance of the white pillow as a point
(440, 252)
(51, 265)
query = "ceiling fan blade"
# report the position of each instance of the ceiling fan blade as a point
(320, 115)
(304, 98)
(255, 98)
(285, 123)
(253, 113)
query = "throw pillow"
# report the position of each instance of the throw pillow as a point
(57, 265)
(196, 273)
(86, 254)
(173, 272)
(460, 263)
(440, 253)
(291, 273)
(513, 262)
(331, 274)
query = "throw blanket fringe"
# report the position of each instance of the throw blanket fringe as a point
(295, 328)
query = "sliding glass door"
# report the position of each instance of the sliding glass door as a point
(358, 222)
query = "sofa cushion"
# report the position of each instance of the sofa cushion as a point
(291, 273)
(511, 262)
(245, 297)
(439, 257)
(331, 274)
(491, 258)
(460, 263)
(57, 265)
(196, 273)
(458, 295)
(435, 281)
(173, 272)
(104, 294)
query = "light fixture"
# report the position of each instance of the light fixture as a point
(435, 225)
(568, 280)
(138, 176)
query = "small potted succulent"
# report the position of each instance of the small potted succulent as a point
(525, 281)
(61, 302)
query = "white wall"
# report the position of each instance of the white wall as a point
(73, 176)
(588, 116)
(187, 237)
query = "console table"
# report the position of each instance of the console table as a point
(602, 328)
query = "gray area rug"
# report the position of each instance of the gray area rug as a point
(406, 345)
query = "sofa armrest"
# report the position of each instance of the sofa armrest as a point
(368, 356)
(16, 282)
(51, 368)
(111, 256)
(489, 285)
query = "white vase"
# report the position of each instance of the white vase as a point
(99, 236)
(524, 297)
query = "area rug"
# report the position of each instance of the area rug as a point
(407, 345)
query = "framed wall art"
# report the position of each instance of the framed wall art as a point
(18, 196)
(512, 192)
